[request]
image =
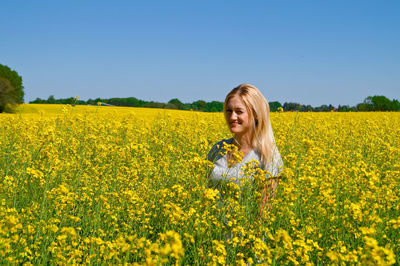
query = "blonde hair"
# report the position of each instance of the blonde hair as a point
(258, 108)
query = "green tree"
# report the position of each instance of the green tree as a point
(175, 102)
(38, 100)
(273, 106)
(215, 106)
(11, 89)
(51, 99)
(199, 105)
(344, 108)
(395, 105)
(381, 103)
(378, 103)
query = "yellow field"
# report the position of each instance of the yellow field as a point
(113, 185)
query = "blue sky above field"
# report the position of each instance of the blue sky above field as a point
(311, 52)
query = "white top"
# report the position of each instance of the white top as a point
(222, 172)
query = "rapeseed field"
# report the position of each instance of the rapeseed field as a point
(113, 185)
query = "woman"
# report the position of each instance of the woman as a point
(247, 115)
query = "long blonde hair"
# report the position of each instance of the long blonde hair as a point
(258, 108)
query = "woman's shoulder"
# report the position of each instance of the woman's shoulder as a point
(215, 153)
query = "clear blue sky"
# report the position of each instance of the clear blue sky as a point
(311, 52)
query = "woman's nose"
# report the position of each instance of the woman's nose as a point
(233, 116)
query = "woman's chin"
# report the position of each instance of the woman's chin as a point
(234, 130)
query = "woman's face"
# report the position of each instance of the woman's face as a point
(237, 116)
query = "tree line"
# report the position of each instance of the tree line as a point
(371, 103)
(12, 94)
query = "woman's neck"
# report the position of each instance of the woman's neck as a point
(243, 142)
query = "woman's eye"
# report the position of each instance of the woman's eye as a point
(239, 112)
